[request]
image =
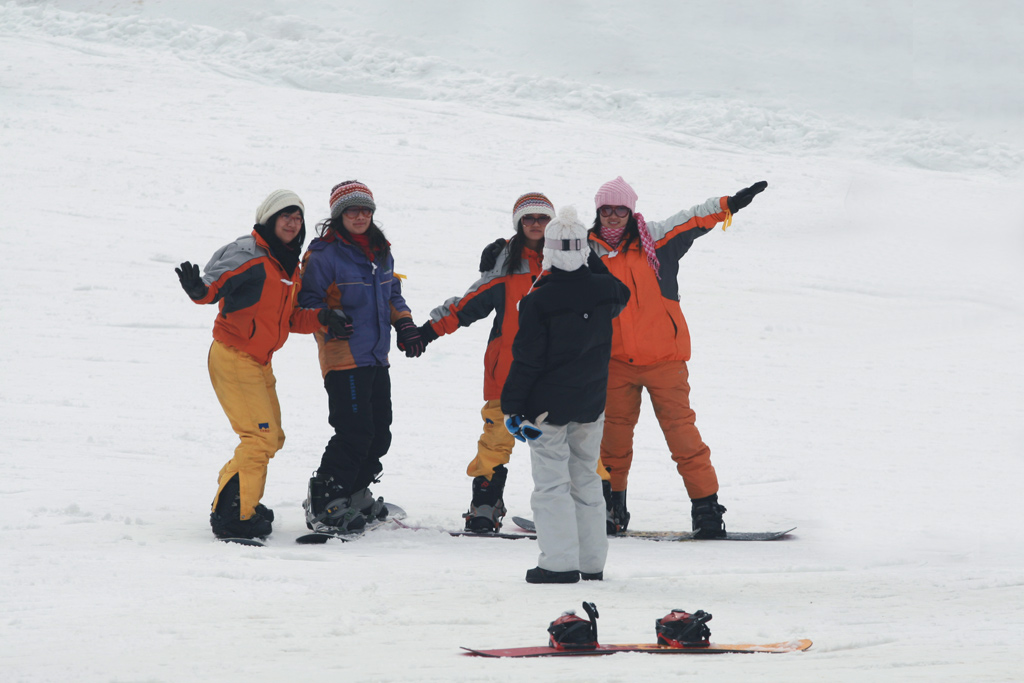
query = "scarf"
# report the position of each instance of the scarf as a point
(286, 254)
(363, 242)
(614, 237)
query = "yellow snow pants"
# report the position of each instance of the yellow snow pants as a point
(495, 445)
(247, 392)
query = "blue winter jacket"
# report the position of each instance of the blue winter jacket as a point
(337, 274)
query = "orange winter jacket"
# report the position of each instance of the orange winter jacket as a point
(498, 292)
(257, 299)
(652, 329)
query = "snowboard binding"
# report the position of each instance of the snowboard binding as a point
(682, 629)
(570, 632)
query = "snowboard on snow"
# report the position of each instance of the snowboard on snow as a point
(242, 541)
(395, 514)
(650, 648)
(472, 534)
(528, 525)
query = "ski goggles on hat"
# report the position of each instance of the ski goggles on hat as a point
(575, 244)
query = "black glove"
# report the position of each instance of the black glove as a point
(745, 196)
(489, 256)
(426, 331)
(337, 321)
(188, 276)
(409, 339)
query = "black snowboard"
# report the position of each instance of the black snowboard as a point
(395, 514)
(528, 525)
(470, 534)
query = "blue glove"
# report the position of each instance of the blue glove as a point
(521, 428)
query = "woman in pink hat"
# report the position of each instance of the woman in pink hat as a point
(651, 343)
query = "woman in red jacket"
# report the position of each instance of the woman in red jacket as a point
(506, 280)
(255, 281)
(651, 343)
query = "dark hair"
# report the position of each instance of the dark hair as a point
(515, 248)
(378, 243)
(632, 230)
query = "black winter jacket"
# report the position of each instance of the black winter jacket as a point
(560, 354)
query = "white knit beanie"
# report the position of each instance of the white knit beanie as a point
(565, 241)
(275, 201)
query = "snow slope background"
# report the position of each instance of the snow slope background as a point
(857, 332)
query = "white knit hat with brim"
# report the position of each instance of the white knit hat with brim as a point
(565, 241)
(275, 201)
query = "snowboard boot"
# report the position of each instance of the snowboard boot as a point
(224, 520)
(618, 516)
(570, 632)
(682, 629)
(606, 490)
(539, 575)
(487, 507)
(373, 509)
(707, 517)
(329, 508)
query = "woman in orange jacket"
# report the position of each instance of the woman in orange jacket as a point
(255, 281)
(507, 279)
(651, 343)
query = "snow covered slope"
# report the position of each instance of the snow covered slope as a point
(857, 332)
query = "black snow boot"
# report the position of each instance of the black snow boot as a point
(706, 514)
(224, 519)
(606, 490)
(329, 508)
(682, 629)
(570, 632)
(618, 516)
(487, 507)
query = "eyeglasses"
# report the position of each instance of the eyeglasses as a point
(354, 211)
(535, 219)
(620, 211)
(292, 217)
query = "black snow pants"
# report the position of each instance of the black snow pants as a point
(360, 412)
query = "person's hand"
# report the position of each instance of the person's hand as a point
(489, 256)
(337, 322)
(521, 428)
(188, 276)
(409, 339)
(745, 196)
(426, 331)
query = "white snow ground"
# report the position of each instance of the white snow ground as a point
(858, 332)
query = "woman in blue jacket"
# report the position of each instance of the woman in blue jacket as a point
(349, 268)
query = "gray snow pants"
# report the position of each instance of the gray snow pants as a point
(567, 501)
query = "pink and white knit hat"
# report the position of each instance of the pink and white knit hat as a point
(531, 202)
(350, 193)
(616, 193)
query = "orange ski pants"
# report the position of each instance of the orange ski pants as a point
(668, 386)
(495, 445)
(247, 392)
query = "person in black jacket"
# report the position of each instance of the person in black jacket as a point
(555, 395)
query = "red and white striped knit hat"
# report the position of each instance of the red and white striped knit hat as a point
(531, 202)
(350, 193)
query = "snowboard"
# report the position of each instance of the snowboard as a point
(395, 514)
(651, 648)
(243, 541)
(528, 525)
(471, 534)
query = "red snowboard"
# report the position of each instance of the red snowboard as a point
(713, 649)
